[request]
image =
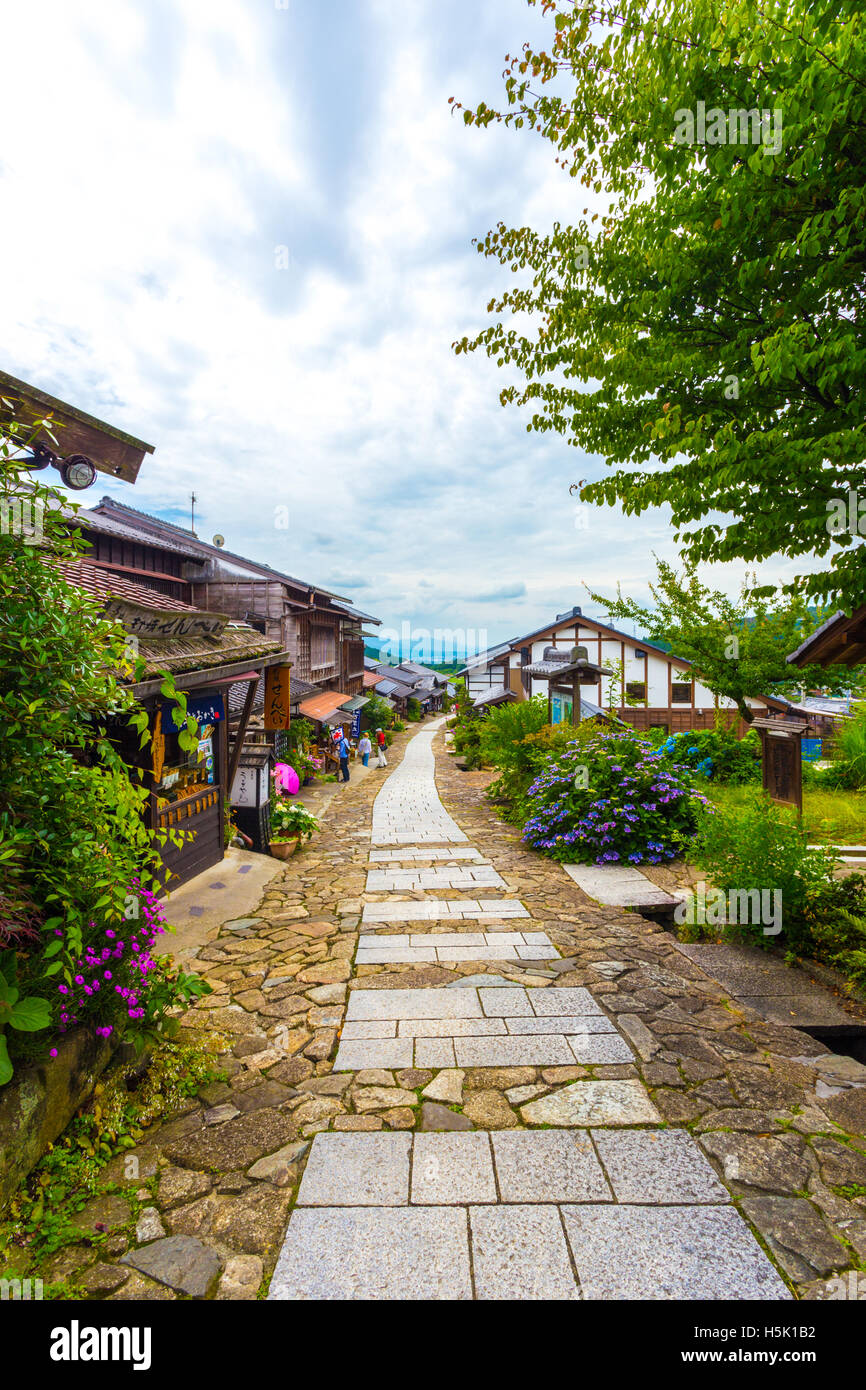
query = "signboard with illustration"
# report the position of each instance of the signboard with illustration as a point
(204, 709)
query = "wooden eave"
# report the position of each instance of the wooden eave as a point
(109, 449)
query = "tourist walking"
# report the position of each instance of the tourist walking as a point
(344, 748)
(365, 748)
(380, 749)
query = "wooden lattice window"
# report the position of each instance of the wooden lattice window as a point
(681, 693)
(636, 689)
(323, 647)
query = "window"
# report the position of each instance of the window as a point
(681, 693)
(323, 648)
(636, 689)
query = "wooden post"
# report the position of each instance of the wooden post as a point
(235, 755)
(575, 699)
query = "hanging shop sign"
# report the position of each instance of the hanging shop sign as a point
(277, 698)
(356, 724)
(141, 621)
(204, 709)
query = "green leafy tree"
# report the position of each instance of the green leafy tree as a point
(377, 714)
(738, 647)
(705, 333)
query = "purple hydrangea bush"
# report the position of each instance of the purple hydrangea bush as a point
(637, 807)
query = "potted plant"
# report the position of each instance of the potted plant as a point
(291, 823)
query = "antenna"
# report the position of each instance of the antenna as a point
(192, 501)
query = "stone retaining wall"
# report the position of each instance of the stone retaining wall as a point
(41, 1099)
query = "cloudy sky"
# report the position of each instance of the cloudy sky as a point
(243, 231)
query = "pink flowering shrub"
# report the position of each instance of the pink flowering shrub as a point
(119, 984)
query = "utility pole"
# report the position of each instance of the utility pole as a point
(192, 502)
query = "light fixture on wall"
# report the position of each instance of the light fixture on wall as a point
(77, 472)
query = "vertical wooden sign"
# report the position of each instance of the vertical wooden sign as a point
(277, 697)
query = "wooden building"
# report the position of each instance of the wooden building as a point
(656, 688)
(321, 631)
(210, 658)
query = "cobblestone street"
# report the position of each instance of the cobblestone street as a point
(450, 1074)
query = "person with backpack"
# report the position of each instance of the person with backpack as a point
(344, 748)
(380, 749)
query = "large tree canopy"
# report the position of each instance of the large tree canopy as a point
(705, 335)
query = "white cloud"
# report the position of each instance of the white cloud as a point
(147, 177)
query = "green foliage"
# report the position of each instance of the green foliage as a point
(376, 714)
(834, 917)
(717, 755)
(613, 800)
(413, 710)
(763, 846)
(703, 334)
(829, 816)
(74, 848)
(760, 846)
(505, 729)
(27, 1014)
(848, 766)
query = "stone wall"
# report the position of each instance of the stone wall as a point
(41, 1099)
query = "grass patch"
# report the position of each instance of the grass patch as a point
(828, 816)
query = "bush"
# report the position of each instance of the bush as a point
(721, 757)
(847, 770)
(762, 846)
(834, 922)
(413, 710)
(376, 714)
(467, 741)
(612, 800)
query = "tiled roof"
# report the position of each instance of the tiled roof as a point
(236, 642)
(96, 521)
(104, 584)
(320, 706)
(154, 525)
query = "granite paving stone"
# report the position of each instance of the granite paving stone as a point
(512, 1005)
(373, 1052)
(665, 1166)
(561, 1023)
(684, 1253)
(361, 1170)
(391, 1253)
(369, 1028)
(548, 1166)
(450, 1027)
(452, 1169)
(433, 1052)
(567, 1000)
(413, 1003)
(594, 1103)
(542, 1051)
(520, 1252)
(602, 1048)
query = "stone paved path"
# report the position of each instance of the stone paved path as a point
(399, 1128)
(515, 1214)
